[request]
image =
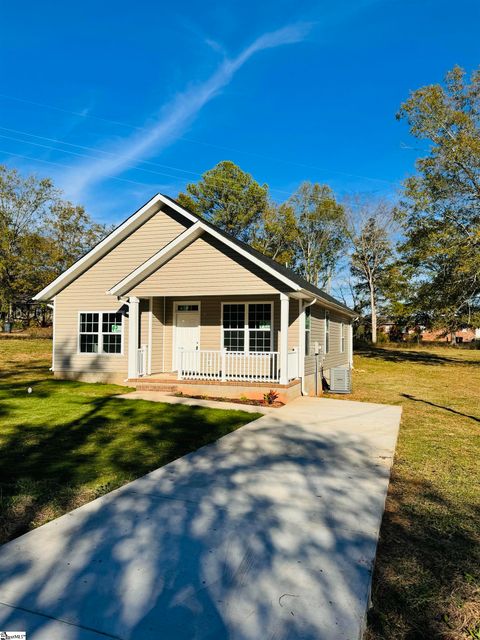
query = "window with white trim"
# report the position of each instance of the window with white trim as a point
(327, 331)
(100, 332)
(342, 337)
(308, 328)
(247, 327)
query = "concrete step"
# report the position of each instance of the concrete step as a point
(151, 385)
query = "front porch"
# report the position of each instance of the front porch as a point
(258, 340)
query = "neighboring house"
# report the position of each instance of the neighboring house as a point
(169, 301)
(466, 334)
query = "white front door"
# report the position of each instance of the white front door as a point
(187, 331)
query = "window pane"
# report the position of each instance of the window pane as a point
(112, 323)
(233, 316)
(187, 307)
(112, 343)
(308, 318)
(259, 341)
(259, 316)
(88, 322)
(234, 340)
(88, 343)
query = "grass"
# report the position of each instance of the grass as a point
(427, 576)
(67, 443)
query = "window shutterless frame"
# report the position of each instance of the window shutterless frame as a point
(246, 329)
(308, 329)
(327, 331)
(100, 334)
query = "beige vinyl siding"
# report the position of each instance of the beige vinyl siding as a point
(210, 324)
(88, 293)
(334, 358)
(206, 267)
(157, 335)
(293, 325)
(144, 321)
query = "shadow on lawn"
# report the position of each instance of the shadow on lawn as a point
(414, 356)
(440, 406)
(192, 551)
(427, 566)
(111, 438)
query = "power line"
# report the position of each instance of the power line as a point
(201, 142)
(84, 155)
(67, 166)
(80, 146)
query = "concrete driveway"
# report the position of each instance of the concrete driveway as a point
(268, 534)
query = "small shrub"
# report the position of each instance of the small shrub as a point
(270, 397)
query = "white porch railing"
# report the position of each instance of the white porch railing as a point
(142, 360)
(229, 365)
(293, 364)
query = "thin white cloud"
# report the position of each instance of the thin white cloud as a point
(175, 117)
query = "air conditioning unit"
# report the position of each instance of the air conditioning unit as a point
(340, 380)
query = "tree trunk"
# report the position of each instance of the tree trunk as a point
(373, 311)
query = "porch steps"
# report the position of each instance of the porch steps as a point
(154, 384)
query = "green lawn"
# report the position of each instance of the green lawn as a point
(427, 577)
(69, 442)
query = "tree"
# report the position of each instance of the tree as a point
(71, 233)
(441, 205)
(23, 204)
(319, 232)
(369, 234)
(40, 236)
(274, 234)
(229, 198)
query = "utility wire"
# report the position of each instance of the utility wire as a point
(201, 142)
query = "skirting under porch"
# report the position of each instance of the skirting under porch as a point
(216, 389)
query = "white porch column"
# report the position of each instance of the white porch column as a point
(133, 317)
(284, 308)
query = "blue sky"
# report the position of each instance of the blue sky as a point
(119, 100)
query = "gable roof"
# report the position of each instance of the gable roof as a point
(295, 282)
(276, 267)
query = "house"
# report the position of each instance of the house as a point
(169, 301)
(466, 334)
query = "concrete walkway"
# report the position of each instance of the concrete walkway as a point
(268, 534)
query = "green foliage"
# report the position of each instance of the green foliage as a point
(318, 231)
(306, 232)
(229, 198)
(441, 207)
(275, 232)
(40, 235)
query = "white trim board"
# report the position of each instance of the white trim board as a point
(107, 244)
(140, 217)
